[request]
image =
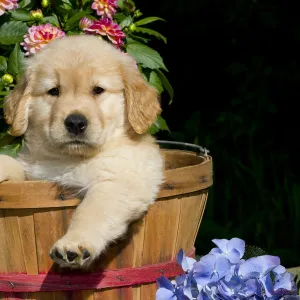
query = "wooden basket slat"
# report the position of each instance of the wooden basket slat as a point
(204, 196)
(161, 218)
(190, 217)
(49, 227)
(27, 233)
(124, 293)
(13, 244)
(158, 247)
(3, 246)
(88, 295)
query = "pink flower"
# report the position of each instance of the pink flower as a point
(109, 28)
(85, 23)
(7, 5)
(106, 8)
(39, 36)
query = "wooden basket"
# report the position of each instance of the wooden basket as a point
(33, 215)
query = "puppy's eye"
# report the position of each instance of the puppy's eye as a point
(53, 92)
(97, 90)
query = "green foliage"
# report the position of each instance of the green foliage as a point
(253, 251)
(16, 62)
(3, 64)
(12, 32)
(66, 15)
(145, 55)
(160, 124)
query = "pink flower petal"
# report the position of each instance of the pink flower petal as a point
(39, 36)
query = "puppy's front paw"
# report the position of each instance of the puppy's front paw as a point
(73, 253)
(10, 169)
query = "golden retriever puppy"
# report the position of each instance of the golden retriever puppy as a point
(85, 110)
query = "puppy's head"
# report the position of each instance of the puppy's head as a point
(77, 94)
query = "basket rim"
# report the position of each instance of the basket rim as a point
(178, 181)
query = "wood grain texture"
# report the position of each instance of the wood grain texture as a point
(33, 215)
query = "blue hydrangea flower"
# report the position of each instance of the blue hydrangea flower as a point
(210, 268)
(167, 291)
(233, 249)
(224, 275)
(187, 281)
(237, 288)
(258, 267)
(282, 284)
(185, 262)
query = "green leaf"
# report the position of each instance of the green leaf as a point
(20, 14)
(73, 22)
(253, 251)
(166, 84)
(146, 56)
(16, 62)
(126, 22)
(12, 32)
(84, 2)
(3, 64)
(148, 20)
(120, 4)
(159, 124)
(11, 150)
(155, 81)
(52, 20)
(151, 32)
(119, 17)
(28, 4)
(138, 38)
(62, 5)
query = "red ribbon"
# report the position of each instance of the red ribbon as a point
(51, 282)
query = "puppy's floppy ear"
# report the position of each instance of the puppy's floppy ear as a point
(16, 107)
(141, 98)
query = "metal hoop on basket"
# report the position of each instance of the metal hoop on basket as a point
(199, 149)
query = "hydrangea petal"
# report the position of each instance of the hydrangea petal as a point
(222, 267)
(238, 245)
(233, 256)
(164, 282)
(185, 262)
(285, 281)
(258, 266)
(165, 294)
(221, 243)
(279, 270)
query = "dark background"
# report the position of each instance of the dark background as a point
(234, 67)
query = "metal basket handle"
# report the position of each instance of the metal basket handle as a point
(199, 149)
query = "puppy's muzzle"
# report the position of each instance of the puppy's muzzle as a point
(76, 124)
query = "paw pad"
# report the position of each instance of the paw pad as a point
(71, 255)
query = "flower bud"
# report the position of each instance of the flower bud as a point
(7, 78)
(85, 23)
(132, 27)
(36, 15)
(137, 13)
(45, 3)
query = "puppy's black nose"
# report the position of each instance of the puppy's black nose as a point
(76, 123)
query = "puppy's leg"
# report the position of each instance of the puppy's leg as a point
(102, 217)
(10, 169)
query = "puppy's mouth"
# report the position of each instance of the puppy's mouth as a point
(78, 143)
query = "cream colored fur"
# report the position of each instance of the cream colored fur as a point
(116, 165)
